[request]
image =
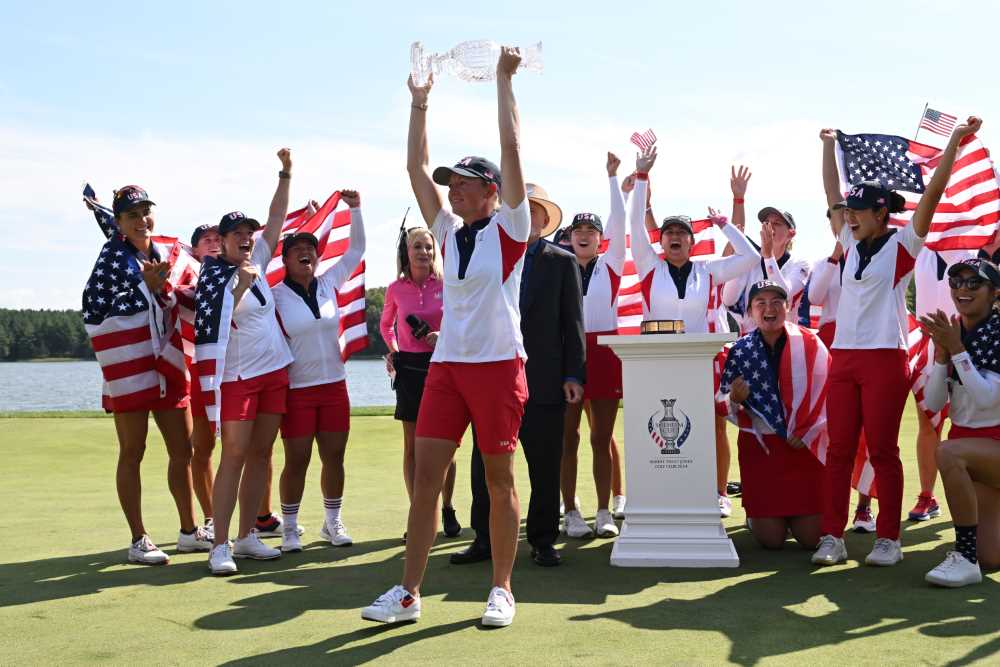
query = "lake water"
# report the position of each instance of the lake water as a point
(76, 385)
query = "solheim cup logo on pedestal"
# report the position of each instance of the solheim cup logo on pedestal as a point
(669, 433)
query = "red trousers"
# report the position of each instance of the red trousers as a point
(867, 390)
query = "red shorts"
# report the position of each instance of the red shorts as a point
(956, 432)
(826, 333)
(153, 404)
(243, 399)
(197, 400)
(491, 395)
(323, 408)
(604, 370)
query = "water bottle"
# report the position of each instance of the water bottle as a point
(475, 60)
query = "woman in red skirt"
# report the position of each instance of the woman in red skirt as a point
(775, 377)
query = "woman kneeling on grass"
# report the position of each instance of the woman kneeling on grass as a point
(775, 379)
(318, 405)
(967, 370)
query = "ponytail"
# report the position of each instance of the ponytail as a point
(896, 202)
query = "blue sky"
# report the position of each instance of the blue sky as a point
(192, 101)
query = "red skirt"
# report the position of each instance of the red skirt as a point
(780, 482)
(604, 370)
(826, 333)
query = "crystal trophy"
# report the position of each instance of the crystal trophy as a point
(475, 60)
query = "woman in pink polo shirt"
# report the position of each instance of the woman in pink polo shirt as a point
(869, 378)
(411, 320)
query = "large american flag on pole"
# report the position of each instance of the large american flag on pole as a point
(969, 210)
(796, 404)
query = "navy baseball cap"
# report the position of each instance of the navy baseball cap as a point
(291, 240)
(581, 219)
(983, 268)
(129, 197)
(682, 220)
(231, 221)
(201, 231)
(867, 194)
(784, 215)
(766, 286)
(472, 167)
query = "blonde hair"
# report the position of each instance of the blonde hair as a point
(403, 254)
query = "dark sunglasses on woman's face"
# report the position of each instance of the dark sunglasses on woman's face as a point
(971, 283)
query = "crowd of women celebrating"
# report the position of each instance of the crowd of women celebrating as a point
(270, 362)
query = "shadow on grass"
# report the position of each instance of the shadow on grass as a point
(794, 606)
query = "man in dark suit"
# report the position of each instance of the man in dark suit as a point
(552, 327)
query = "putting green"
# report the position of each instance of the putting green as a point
(67, 595)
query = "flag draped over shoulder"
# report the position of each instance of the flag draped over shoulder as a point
(969, 210)
(135, 334)
(212, 324)
(790, 402)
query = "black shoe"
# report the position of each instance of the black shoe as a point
(734, 488)
(404, 538)
(451, 525)
(545, 556)
(474, 553)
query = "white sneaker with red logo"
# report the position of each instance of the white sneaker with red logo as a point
(394, 606)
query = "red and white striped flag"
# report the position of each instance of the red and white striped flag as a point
(643, 141)
(937, 122)
(332, 229)
(967, 215)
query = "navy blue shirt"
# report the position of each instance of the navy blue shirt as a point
(465, 239)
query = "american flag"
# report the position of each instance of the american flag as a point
(796, 404)
(969, 210)
(937, 122)
(630, 290)
(213, 321)
(135, 335)
(643, 141)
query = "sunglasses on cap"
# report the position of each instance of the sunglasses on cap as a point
(971, 283)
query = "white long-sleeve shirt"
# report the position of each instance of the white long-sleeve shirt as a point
(660, 297)
(824, 289)
(975, 401)
(600, 301)
(314, 335)
(792, 276)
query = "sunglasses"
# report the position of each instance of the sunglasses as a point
(971, 283)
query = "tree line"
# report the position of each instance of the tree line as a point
(40, 334)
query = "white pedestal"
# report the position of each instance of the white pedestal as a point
(672, 513)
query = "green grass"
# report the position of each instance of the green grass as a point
(67, 595)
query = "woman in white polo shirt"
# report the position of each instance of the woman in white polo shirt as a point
(601, 277)
(242, 361)
(966, 371)
(869, 348)
(318, 405)
(477, 369)
(676, 288)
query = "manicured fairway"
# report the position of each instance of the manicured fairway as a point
(67, 595)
